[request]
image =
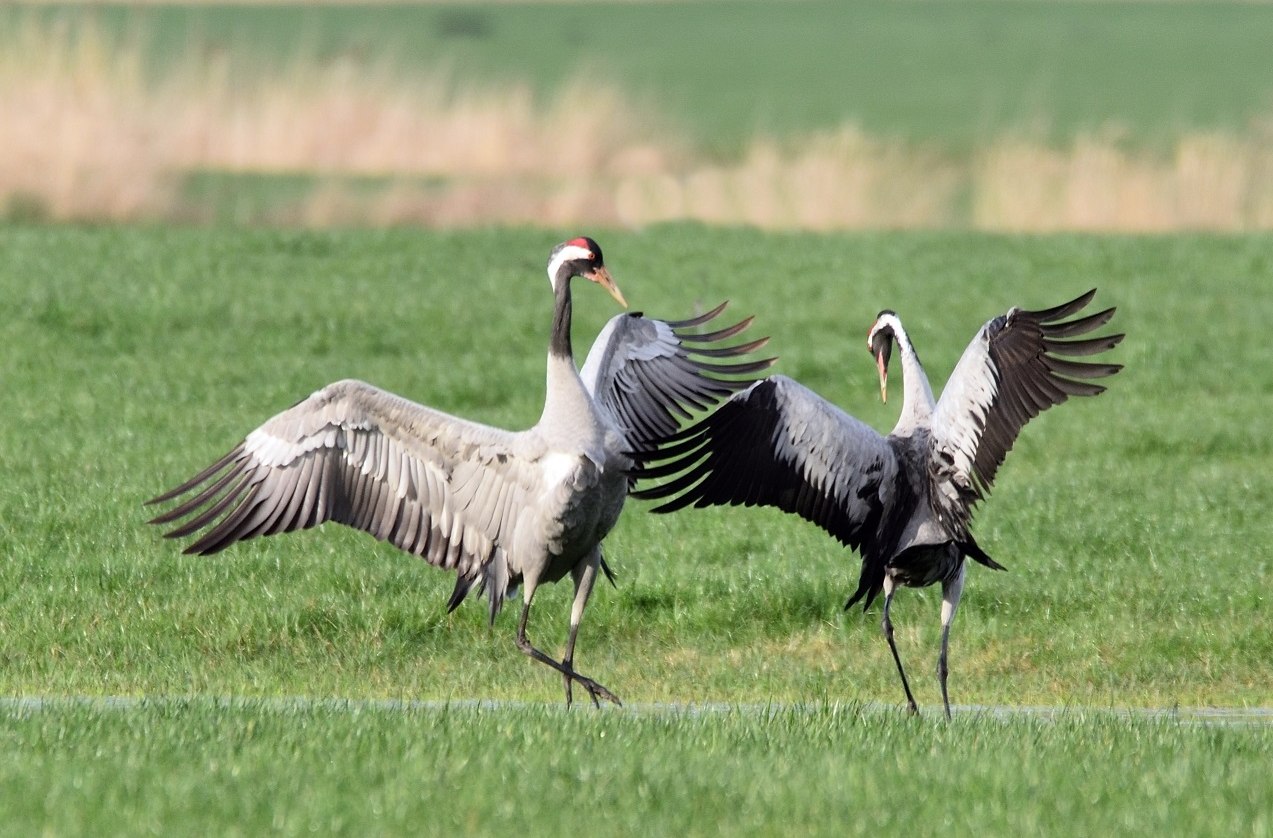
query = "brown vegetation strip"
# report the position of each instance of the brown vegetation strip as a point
(87, 135)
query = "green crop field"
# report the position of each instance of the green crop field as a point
(956, 74)
(1132, 526)
(251, 768)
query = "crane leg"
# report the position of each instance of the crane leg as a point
(950, 593)
(942, 669)
(594, 689)
(889, 587)
(584, 575)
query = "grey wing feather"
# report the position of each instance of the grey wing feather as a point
(648, 376)
(779, 444)
(443, 488)
(1015, 368)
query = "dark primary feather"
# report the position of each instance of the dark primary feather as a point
(780, 444)
(1023, 363)
(651, 375)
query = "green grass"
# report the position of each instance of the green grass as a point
(1132, 525)
(956, 74)
(250, 768)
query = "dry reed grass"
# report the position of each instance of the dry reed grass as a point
(91, 134)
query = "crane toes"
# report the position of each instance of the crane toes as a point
(598, 692)
(595, 691)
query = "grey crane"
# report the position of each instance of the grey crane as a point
(499, 508)
(903, 501)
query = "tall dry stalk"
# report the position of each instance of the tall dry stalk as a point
(79, 136)
(91, 132)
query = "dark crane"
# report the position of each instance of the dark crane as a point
(903, 501)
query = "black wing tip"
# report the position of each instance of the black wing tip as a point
(459, 593)
(1051, 316)
(163, 518)
(750, 346)
(201, 477)
(740, 368)
(171, 494)
(864, 592)
(712, 337)
(699, 320)
(1057, 312)
(973, 550)
(1081, 301)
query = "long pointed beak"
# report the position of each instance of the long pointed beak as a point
(602, 277)
(883, 368)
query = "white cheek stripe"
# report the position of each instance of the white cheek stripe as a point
(567, 254)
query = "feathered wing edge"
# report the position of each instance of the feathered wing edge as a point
(650, 375)
(345, 455)
(779, 444)
(1017, 366)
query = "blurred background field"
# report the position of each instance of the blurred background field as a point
(813, 115)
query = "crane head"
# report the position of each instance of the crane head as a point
(582, 257)
(879, 341)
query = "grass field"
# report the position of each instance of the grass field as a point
(1132, 526)
(252, 767)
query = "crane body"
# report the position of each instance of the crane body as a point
(501, 509)
(904, 501)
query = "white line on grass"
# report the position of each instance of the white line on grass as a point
(1252, 716)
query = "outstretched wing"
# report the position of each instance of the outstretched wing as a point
(1017, 366)
(779, 444)
(650, 375)
(442, 488)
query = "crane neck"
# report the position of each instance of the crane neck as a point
(566, 401)
(559, 342)
(917, 395)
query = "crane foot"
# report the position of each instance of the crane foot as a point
(595, 691)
